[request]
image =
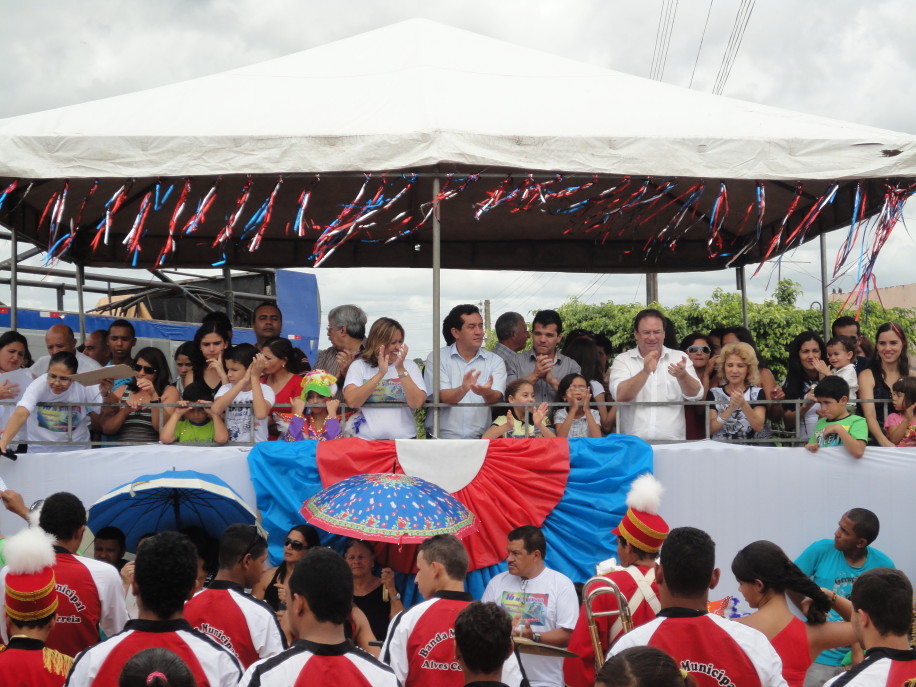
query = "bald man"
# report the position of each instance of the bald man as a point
(60, 338)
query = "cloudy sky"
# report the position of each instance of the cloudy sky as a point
(842, 59)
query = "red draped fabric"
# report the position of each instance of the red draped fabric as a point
(519, 483)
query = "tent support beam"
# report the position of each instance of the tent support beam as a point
(230, 296)
(825, 309)
(80, 274)
(651, 288)
(437, 288)
(159, 275)
(741, 278)
(14, 296)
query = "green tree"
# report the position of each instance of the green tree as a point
(774, 323)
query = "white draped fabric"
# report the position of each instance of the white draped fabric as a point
(736, 493)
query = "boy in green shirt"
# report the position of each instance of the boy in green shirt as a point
(194, 425)
(836, 425)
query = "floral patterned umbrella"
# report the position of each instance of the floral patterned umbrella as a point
(399, 509)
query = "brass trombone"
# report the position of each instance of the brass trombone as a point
(591, 590)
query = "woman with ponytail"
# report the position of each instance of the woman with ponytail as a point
(643, 666)
(765, 574)
(156, 667)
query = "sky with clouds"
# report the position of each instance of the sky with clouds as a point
(843, 59)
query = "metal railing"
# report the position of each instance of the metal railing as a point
(780, 435)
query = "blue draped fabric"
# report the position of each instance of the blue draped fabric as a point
(578, 530)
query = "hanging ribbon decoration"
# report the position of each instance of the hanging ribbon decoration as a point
(169, 246)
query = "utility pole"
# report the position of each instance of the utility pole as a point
(486, 315)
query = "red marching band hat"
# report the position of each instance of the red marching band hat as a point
(642, 526)
(30, 592)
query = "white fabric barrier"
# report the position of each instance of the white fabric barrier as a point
(736, 493)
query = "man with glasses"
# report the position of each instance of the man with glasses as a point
(224, 612)
(651, 372)
(542, 602)
(346, 331)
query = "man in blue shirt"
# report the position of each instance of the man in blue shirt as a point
(835, 564)
(467, 374)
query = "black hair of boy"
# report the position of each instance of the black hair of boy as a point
(243, 354)
(483, 636)
(238, 541)
(165, 573)
(887, 596)
(688, 560)
(832, 387)
(197, 392)
(325, 581)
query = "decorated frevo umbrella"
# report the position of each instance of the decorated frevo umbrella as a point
(172, 500)
(398, 509)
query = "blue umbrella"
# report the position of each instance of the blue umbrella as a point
(171, 500)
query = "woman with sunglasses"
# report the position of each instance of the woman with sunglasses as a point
(137, 417)
(298, 540)
(48, 420)
(698, 348)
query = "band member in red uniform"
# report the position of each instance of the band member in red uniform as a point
(91, 595)
(420, 646)
(639, 537)
(164, 577)
(320, 598)
(244, 625)
(715, 651)
(31, 610)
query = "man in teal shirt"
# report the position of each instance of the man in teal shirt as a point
(835, 564)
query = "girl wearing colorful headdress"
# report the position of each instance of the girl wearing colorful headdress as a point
(321, 423)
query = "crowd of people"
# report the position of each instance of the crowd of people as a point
(190, 612)
(848, 391)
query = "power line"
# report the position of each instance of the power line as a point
(702, 36)
(743, 16)
(731, 64)
(663, 39)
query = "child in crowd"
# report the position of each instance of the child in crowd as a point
(578, 420)
(900, 427)
(194, 425)
(841, 353)
(836, 425)
(243, 368)
(508, 425)
(320, 423)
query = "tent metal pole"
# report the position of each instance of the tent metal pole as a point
(14, 264)
(80, 274)
(230, 294)
(437, 287)
(742, 286)
(825, 309)
(651, 288)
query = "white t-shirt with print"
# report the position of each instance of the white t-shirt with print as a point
(378, 422)
(238, 420)
(47, 423)
(549, 601)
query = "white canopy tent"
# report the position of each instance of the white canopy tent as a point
(531, 162)
(422, 98)
(417, 94)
